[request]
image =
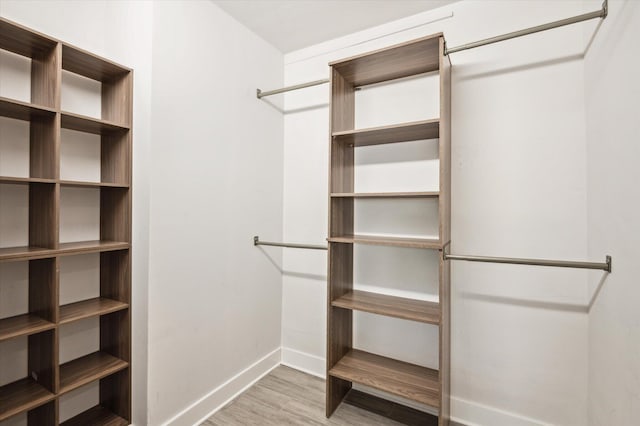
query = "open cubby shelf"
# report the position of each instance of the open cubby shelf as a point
(39, 392)
(424, 243)
(345, 364)
(392, 306)
(405, 132)
(419, 384)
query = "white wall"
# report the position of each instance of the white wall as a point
(612, 96)
(120, 31)
(214, 298)
(519, 339)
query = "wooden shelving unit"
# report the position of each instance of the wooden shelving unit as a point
(345, 364)
(37, 394)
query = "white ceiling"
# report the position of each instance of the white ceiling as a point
(293, 24)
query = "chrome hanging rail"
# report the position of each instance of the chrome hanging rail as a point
(257, 242)
(600, 13)
(606, 266)
(260, 94)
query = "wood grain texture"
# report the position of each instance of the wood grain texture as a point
(87, 369)
(97, 415)
(85, 184)
(382, 304)
(431, 194)
(24, 111)
(115, 391)
(23, 325)
(43, 288)
(117, 94)
(115, 214)
(44, 147)
(405, 132)
(87, 64)
(401, 60)
(8, 254)
(46, 77)
(23, 41)
(43, 359)
(424, 243)
(83, 123)
(289, 397)
(445, 342)
(391, 410)
(409, 381)
(21, 396)
(46, 414)
(115, 158)
(89, 308)
(444, 146)
(43, 215)
(83, 247)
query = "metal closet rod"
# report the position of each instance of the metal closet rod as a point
(605, 266)
(257, 242)
(600, 13)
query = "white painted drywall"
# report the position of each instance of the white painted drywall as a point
(120, 31)
(214, 298)
(612, 97)
(519, 336)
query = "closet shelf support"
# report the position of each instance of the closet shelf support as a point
(606, 266)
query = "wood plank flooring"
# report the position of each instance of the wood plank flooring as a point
(289, 397)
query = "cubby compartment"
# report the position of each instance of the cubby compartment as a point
(404, 218)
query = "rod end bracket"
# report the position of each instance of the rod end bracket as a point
(258, 93)
(605, 8)
(256, 239)
(444, 250)
(608, 260)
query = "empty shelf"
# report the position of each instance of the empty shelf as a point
(25, 253)
(20, 396)
(399, 307)
(89, 308)
(431, 194)
(96, 416)
(405, 132)
(91, 247)
(409, 381)
(425, 243)
(86, 124)
(93, 184)
(85, 63)
(23, 325)
(23, 110)
(87, 369)
(24, 181)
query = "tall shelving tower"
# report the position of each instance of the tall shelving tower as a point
(345, 364)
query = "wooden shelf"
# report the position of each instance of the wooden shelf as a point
(23, 110)
(87, 64)
(83, 123)
(433, 194)
(89, 308)
(422, 243)
(398, 307)
(23, 325)
(96, 416)
(87, 369)
(25, 253)
(399, 378)
(81, 247)
(73, 183)
(20, 396)
(24, 181)
(405, 132)
(402, 60)
(23, 41)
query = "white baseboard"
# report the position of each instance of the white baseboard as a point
(462, 411)
(305, 362)
(203, 408)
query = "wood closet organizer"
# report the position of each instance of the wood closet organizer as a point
(36, 395)
(346, 364)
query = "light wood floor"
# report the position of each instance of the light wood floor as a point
(289, 397)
